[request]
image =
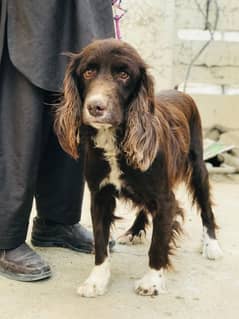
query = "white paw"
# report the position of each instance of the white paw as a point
(210, 247)
(152, 283)
(129, 239)
(91, 289)
(212, 250)
(96, 284)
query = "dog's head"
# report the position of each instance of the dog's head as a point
(107, 85)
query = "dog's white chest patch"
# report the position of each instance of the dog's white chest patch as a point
(105, 139)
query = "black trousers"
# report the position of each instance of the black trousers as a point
(31, 160)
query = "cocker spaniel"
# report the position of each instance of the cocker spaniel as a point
(138, 147)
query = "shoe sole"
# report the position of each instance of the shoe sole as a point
(25, 277)
(38, 243)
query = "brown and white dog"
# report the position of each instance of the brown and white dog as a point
(138, 147)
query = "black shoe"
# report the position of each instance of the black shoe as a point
(23, 264)
(75, 237)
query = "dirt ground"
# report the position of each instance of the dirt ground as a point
(196, 288)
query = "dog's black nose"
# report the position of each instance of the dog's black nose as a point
(96, 108)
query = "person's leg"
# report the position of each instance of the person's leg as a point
(60, 182)
(59, 193)
(20, 138)
(20, 135)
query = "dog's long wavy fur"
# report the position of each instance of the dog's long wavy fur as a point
(159, 137)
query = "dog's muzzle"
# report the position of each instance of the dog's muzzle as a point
(96, 106)
(100, 110)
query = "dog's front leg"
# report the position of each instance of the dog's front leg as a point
(153, 282)
(102, 211)
(165, 227)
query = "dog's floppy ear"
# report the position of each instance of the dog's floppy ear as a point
(68, 113)
(141, 140)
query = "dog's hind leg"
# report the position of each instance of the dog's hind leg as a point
(200, 189)
(102, 210)
(137, 232)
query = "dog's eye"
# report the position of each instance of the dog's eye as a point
(123, 75)
(89, 73)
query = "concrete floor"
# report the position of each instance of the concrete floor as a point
(196, 288)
